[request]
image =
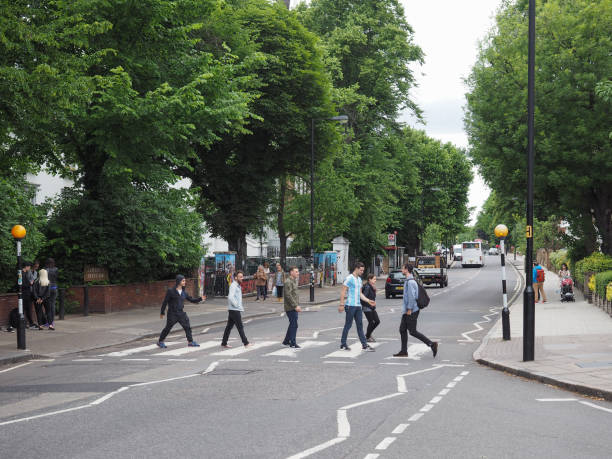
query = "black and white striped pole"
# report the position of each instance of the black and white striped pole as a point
(501, 231)
(19, 233)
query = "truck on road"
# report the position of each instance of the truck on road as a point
(432, 269)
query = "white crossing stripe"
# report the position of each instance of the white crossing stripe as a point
(415, 351)
(243, 349)
(136, 350)
(187, 350)
(292, 352)
(355, 351)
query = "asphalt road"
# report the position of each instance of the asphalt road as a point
(135, 401)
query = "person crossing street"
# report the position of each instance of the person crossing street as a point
(292, 308)
(175, 299)
(235, 308)
(350, 302)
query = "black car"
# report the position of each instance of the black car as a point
(395, 283)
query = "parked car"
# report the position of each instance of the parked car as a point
(457, 252)
(395, 283)
(493, 251)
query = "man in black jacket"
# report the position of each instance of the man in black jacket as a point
(175, 299)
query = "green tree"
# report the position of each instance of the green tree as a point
(573, 174)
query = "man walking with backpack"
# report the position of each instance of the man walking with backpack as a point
(413, 292)
(538, 282)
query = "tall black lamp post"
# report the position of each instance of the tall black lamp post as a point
(343, 119)
(528, 294)
(19, 233)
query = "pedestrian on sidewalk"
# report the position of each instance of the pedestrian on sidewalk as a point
(292, 307)
(539, 277)
(41, 293)
(261, 283)
(53, 273)
(270, 280)
(352, 306)
(369, 290)
(26, 294)
(564, 273)
(175, 300)
(235, 308)
(410, 314)
(279, 282)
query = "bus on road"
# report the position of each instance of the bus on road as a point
(472, 254)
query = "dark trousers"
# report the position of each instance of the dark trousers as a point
(40, 315)
(262, 290)
(373, 321)
(27, 308)
(50, 305)
(292, 328)
(279, 291)
(234, 318)
(409, 325)
(174, 317)
(353, 313)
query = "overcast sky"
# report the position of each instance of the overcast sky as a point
(448, 32)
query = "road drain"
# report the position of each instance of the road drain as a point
(231, 372)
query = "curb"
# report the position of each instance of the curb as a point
(563, 384)
(21, 358)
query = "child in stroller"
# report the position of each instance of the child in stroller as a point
(567, 289)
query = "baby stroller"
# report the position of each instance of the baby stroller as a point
(567, 289)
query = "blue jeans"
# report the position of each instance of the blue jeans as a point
(293, 326)
(353, 312)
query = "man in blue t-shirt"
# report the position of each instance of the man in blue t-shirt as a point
(350, 302)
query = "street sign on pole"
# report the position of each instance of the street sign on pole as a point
(391, 239)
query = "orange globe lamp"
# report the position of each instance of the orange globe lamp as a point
(501, 231)
(18, 232)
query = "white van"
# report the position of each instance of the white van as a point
(472, 254)
(457, 252)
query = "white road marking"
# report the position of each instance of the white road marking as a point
(355, 351)
(385, 443)
(394, 363)
(244, 349)
(344, 428)
(288, 361)
(469, 339)
(182, 360)
(435, 400)
(315, 335)
(247, 321)
(415, 351)
(42, 360)
(458, 378)
(372, 400)
(465, 373)
(292, 352)
(135, 360)
(204, 331)
(426, 408)
(444, 392)
(317, 448)
(15, 367)
(372, 456)
(416, 417)
(136, 350)
(107, 396)
(187, 349)
(592, 405)
(556, 399)
(401, 384)
(400, 428)
(451, 384)
(87, 360)
(337, 361)
(44, 415)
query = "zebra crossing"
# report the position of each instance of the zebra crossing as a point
(326, 350)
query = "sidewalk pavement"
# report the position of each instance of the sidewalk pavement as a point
(78, 333)
(573, 342)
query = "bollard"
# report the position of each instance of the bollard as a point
(62, 311)
(86, 300)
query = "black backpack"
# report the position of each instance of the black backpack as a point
(422, 298)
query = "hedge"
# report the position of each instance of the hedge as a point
(596, 262)
(558, 258)
(601, 282)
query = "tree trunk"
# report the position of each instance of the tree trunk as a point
(282, 236)
(238, 244)
(602, 212)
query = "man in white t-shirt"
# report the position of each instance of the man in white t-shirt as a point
(350, 302)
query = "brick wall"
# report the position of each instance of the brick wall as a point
(112, 298)
(8, 301)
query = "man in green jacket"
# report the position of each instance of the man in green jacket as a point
(291, 306)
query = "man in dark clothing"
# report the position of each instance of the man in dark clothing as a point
(52, 271)
(26, 294)
(175, 299)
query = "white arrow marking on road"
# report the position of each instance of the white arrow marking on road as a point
(136, 350)
(243, 349)
(187, 350)
(292, 352)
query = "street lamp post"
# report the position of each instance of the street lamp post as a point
(528, 294)
(340, 119)
(501, 231)
(19, 233)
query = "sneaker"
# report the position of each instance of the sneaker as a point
(401, 354)
(193, 344)
(161, 344)
(286, 343)
(33, 327)
(45, 326)
(248, 345)
(371, 339)
(434, 348)
(368, 349)
(295, 346)
(226, 346)
(51, 327)
(345, 347)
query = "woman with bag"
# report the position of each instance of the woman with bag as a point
(41, 292)
(261, 283)
(369, 290)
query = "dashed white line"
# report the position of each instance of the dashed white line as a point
(451, 384)
(426, 408)
(556, 399)
(385, 443)
(444, 392)
(415, 417)
(372, 456)
(400, 429)
(458, 378)
(435, 400)
(87, 360)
